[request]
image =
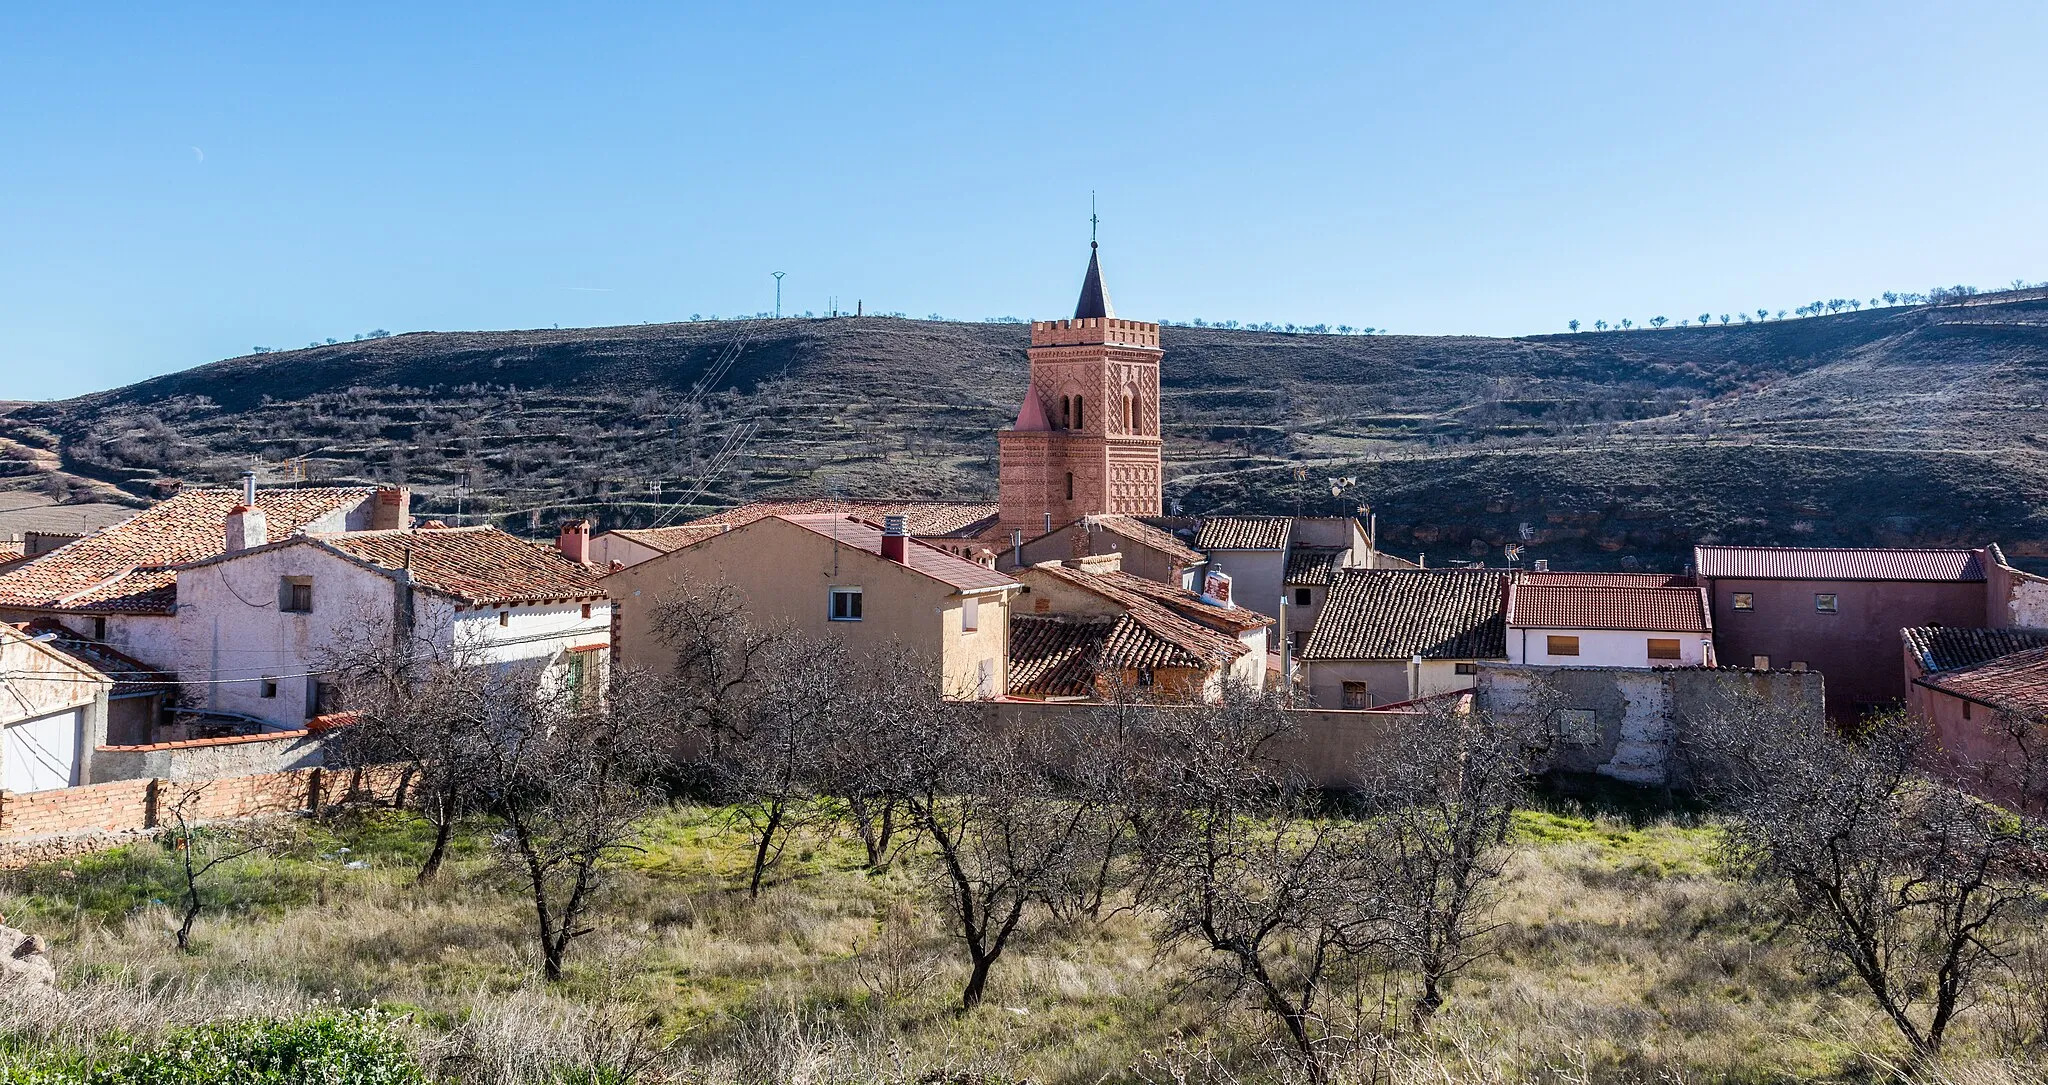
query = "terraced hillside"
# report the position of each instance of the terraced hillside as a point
(1906, 425)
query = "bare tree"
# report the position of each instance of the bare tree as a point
(1909, 883)
(1255, 875)
(720, 654)
(202, 849)
(568, 783)
(1442, 799)
(426, 706)
(768, 769)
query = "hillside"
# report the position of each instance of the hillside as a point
(1892, 426)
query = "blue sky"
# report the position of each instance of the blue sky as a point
(177, 186)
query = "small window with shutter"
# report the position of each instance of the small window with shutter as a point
(295, 594)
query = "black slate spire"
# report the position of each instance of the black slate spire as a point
(1094, 298)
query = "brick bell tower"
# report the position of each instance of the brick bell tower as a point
(1086, 440)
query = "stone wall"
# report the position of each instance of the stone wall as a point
(128, 806)
(1628, 723)
(208, 758)
(1327, 746)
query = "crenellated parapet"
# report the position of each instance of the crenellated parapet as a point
(1094, 331)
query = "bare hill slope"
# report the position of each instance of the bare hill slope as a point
(1908, 425)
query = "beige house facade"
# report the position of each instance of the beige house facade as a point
(833, 575)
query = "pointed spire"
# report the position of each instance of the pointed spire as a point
(1094, 297)
(1031, 416)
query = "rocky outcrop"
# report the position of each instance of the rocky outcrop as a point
(25, 962)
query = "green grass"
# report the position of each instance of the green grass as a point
(1622, 951)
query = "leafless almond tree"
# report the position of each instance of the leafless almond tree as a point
(1910, 884)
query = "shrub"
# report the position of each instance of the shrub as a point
(337, 1048)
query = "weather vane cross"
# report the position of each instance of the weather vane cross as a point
(1092, 218)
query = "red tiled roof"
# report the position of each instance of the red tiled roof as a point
(1244, 533)
(930, 519)
(2016, 682)
(126, 567)
(1612, 580)
(1130, 527)
(1818, 563)
(1945, 648)
(479, 566)
(1401, 613)
(666, 540)
(130, 675)
(920, 557)
(1057, 656)
(1169, 613)
(1563, 606)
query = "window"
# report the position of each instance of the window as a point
(1303, 597)
(1080, 418)
(1825, 602)
(1130, 415)
(504, 617)
(1561, 646)
(574, 678)
(1966, 710)
(1578, 726)
(321, 697)
(99, 629)
(1066, 412)
(295, 594)
(1145, 676)
(1663, 648)
(1744, 601)
(846, 604)
(1356, 695)
(267, 688)
(1759, 663)
(970, 615)
(1466, 668)
(586, 612)
(1070, 485)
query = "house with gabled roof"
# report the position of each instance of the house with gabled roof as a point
(1085, 621)
(875, 588)
(965, 529)
(1607, 620)
(118, 585)
(1970, 685)
(1386, 636)
(258, 627)
(1143, 549)
(53, 712)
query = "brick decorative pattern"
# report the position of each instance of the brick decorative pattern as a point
(1097, 382)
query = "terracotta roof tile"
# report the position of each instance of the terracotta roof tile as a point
(126, 567)
(1819, 563)
(1244, 533)
(923, 557)
(1130, 527)
(1944, 648)
(1176, 616)
(1566, 606)
(1612, 580)
(2017, 682)
(930, 519)
(480, 566)
(666, 540)
(1401, 613)
(1056, 656)
(1312, 565)
(131, 676)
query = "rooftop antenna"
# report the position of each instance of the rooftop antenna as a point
(778, 291)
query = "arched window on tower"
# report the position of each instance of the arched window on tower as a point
(1080, 420)
(1066, 412)
(1130, 414)
(1070, 485)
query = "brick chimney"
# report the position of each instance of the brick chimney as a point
(246, 526)
(392, 509)
(895, 541)
(574, 540)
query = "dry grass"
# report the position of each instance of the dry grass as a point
(1624, 957)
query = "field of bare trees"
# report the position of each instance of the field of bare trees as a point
(785, 863)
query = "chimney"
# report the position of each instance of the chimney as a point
(1542, 565)
(895, 543)
(249, 489)
(392, 510)
(246, 528)
(575, 540)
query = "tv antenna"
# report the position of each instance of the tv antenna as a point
(778, 291)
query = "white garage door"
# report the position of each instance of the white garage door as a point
(40, 754)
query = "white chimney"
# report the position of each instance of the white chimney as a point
(246, 528)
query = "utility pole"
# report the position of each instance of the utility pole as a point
(778, 292)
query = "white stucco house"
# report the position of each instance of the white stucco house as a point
(258, 626)
(1608, 620)
(53, 713)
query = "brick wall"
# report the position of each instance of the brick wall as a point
(129, 805)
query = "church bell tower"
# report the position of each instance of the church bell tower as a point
(1086, 440)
